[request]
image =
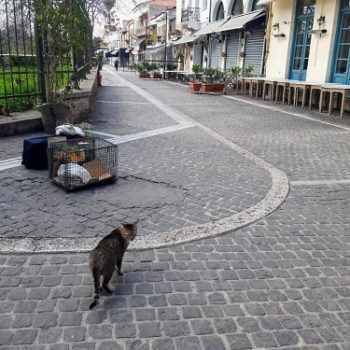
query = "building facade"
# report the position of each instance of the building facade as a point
(231, 33)
(309, 40)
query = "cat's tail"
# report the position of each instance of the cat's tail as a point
(96, 275)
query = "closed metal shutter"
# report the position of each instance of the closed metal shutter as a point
(232, 49)
(197, 54)
(254, 49)
(215, 53)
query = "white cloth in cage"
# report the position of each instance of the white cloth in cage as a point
(74, 174)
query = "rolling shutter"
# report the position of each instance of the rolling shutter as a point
(232, 49)
(215, 53)
(254, 49)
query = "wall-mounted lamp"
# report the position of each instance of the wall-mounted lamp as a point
(319, 31)
(321, 20)
(276, 26)
(280, 35)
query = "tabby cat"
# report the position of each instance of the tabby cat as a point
(108, 254)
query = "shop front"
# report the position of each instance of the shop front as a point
(309, 40)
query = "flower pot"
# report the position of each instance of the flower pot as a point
(157, 76)
(144, 75)
(195, 87)
(99, 79)
(213, 87)
(53, 115)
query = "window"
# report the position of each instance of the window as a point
(307, 7)
(204, 4)
(237, 8)
(220, 13)
(346, 3)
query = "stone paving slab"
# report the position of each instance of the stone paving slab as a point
(280, 283)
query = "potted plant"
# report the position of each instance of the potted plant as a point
(248, 70)
(62, 31)
(171, 67)
(235, 72)
(154, 67)
(195, 85)
(213, 78)
(143, 69)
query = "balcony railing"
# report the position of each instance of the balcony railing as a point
(191, 14)
(144, 31)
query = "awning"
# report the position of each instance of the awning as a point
(112, 53)
(212, 27)
(240, 21)
(138, 42)
(136, 45)
(265, 2)
(184, 39)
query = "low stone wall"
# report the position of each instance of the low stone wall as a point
(21, 123)
(81, 103)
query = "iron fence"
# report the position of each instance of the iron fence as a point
(22, 72)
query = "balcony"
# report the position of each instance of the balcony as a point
(190, 18)
(144, 31)
(191, 14)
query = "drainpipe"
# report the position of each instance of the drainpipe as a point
(268, 37)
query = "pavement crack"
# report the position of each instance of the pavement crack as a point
(155, 182)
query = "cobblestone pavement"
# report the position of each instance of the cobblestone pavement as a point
(282, 282)
(165, 181)
(303, 149)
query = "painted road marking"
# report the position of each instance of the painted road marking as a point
(320, 182)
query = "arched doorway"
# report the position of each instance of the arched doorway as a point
(304, 20)
(220, 13)
(237, 8)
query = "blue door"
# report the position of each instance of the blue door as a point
(302, 39)
(341, 65)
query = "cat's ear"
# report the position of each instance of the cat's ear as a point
(123, 230)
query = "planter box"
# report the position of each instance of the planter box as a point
(195, 87)
(213, 87)
(99, 79)
(157, 76)
(144, 75)
(172, 75)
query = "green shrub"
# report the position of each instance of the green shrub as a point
(213, 74)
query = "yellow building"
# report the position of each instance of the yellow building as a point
(309, 40)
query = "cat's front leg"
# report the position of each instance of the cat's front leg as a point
(119, 268)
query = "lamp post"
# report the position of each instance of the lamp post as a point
(165, 42)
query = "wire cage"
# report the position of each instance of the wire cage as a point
(77, 163)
